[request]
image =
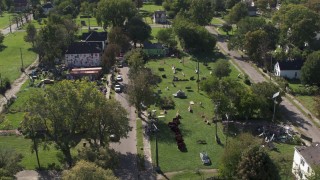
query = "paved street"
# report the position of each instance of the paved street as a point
(291, 114)
(127, 147)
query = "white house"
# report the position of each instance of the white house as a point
(84, 54)
(159, 17)
(304, 159)
(288, 69)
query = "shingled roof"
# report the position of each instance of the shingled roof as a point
(94, 36)
(291, 64)
(311, 153)
(84, 48)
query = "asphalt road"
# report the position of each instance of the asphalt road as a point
(127, 147)
(291, 113)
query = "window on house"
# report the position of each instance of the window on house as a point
(302, 162)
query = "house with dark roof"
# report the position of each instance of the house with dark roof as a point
(94, 36)
(47, 7)
(154, 49)
(20, 5)
(84, 54)
(159, 17)
(305, 159)
(290, 69)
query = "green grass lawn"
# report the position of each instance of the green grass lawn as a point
(15, 114)
(36, 24)
(4, 20)
(93, 21)
(23, 146)
(192, 125)
(150, 7)
(10, 61)
(216, 21)
(154, 33)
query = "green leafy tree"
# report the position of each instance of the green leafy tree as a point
(109, 55)
(9, 163)
(226, 28)
(313, 5)
(245, 25)
(310, 70)
(175, 6)
(315, 174)
(266, 90)
(138, 3)
(201, 11)
(85, 170)
(230, 3)
(237, 12)
(103, 157)
(222, 69)
(140, 90)
(167, 37)
(118, 36)
(31, 34)
(138, 30)
(297, 24)
(70, 111)
(115, 12)
(136, 60)
(256, 164)
(193, 38)
(232, 155)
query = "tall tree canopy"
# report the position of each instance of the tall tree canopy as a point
(115, 12)
(167, 37)
(310, 71)
(193, 38)
(138, 30)
(9, 163)
(69, 111)
(298, 25)
(84, 170)
(237, 12)
(119, 37)
(201, 11)
(256, 164)
(31, 33)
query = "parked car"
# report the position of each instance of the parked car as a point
(117, 88)
(119, 78)
(205, 158)
(114, 138)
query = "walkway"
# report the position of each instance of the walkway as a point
(290, 112)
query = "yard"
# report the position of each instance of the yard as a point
(10, 57)
(151, 7)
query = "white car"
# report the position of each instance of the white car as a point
(119, 78)
(117, 88)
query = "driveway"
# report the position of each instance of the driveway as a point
(290, 113)
(127, 146)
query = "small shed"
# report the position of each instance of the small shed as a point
(289, 68)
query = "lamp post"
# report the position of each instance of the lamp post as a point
(274, 106)
(157, 148)
(10, 23)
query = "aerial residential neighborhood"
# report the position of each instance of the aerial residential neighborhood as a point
(160, 89)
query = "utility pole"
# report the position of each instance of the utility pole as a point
(22, 67)
(274, 106)
(198, 71)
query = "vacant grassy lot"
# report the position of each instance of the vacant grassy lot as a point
(216, 21)
(23, 146)
(92, 21)
(10, 59)
(15, 114)
(154, 33)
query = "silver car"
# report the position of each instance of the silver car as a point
(205, 158)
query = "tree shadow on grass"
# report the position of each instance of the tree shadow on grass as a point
(2, 47)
